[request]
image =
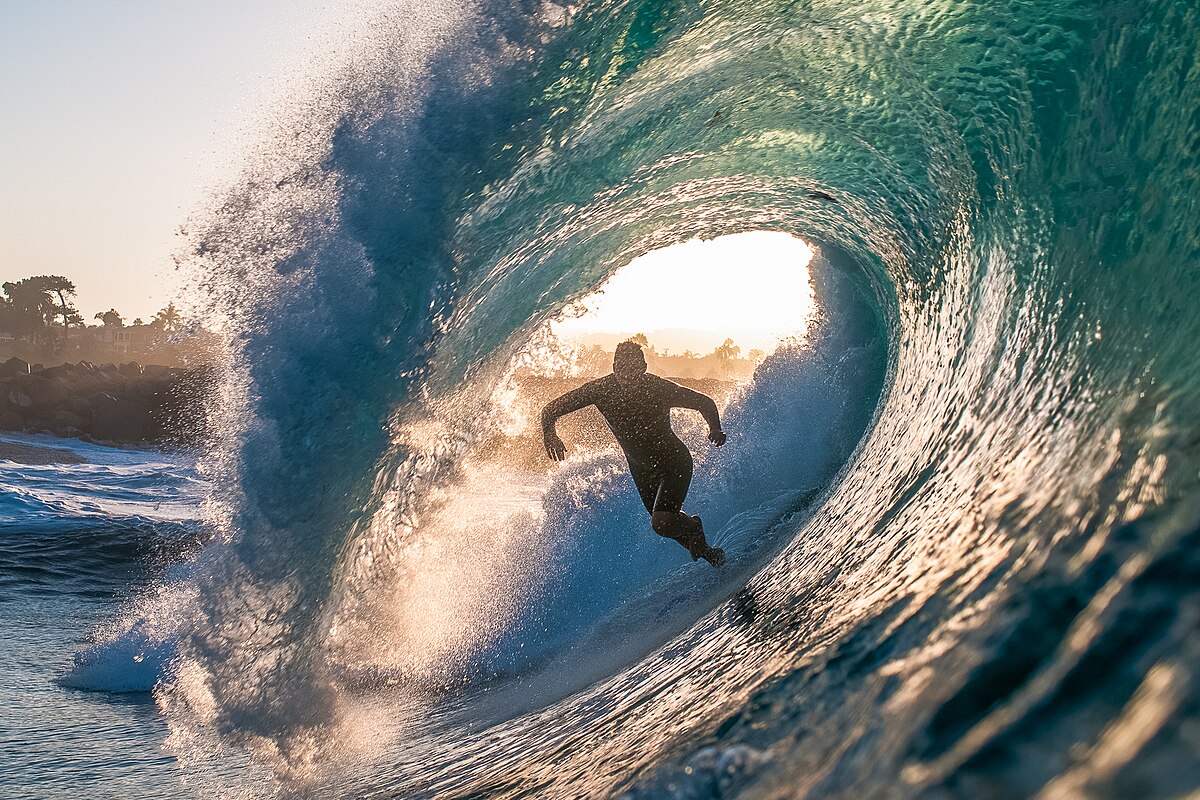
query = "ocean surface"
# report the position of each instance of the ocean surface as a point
(962, 517)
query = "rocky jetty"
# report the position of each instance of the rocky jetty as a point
(107, 403)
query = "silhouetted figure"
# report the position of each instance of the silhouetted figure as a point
(637, 406)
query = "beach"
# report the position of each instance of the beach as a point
(22, 453)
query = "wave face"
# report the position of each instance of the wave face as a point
(990, 593)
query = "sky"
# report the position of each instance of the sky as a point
(685, 297)
(117, 118)
(120, 117)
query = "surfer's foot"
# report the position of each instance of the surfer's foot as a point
(698, 546)
(713, 555)
(695, 545)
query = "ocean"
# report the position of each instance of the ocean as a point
(961, 517)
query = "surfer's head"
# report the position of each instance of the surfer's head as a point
(629, 362)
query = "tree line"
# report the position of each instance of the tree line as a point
(723, 362)
(726, 351)
(41, 310)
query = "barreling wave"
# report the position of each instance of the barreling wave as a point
(990, 593)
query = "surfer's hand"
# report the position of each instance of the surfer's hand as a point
(717, 437)
(555, 447)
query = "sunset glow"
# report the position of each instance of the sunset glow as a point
(752, 287)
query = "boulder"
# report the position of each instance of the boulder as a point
(14, 366)
(79, 406)
(86, 382)
(64, 419)
(120, 420)
(111, 382)
(61, 371)
(47, 392)
(143, 388)
(98, 398)
(131, 370)
(37, 368)
(19, 399)
(11, 421)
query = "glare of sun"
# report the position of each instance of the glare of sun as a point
(752, 287)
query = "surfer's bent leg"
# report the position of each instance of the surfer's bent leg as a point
(663, 490)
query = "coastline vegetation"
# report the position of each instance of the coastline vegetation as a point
(590, 360)
(40, 323)
(146, 383)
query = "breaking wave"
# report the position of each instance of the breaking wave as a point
(961, 515)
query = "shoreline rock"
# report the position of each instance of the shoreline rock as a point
(125, 404)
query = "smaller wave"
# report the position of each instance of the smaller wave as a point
(130, 664)
(96, 528)
(133, 652)
(90, 556)
(89, 452)
(108, 484)
(110, 524)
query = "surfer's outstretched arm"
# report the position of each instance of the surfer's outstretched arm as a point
(574, 400)
(683, 397)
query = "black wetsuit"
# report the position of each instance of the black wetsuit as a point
(640, 417)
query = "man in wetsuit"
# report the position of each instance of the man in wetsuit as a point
(637, 407)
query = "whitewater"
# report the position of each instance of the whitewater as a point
(961, 516)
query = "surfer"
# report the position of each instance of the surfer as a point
(637, 407)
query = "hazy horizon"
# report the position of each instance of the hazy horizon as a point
(676, 340)
(686, 296)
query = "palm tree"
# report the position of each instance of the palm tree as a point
(168, 318)
(728, 350)
(726, 353)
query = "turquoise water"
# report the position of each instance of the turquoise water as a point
(962, 522)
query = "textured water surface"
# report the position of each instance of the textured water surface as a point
(961, 518)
